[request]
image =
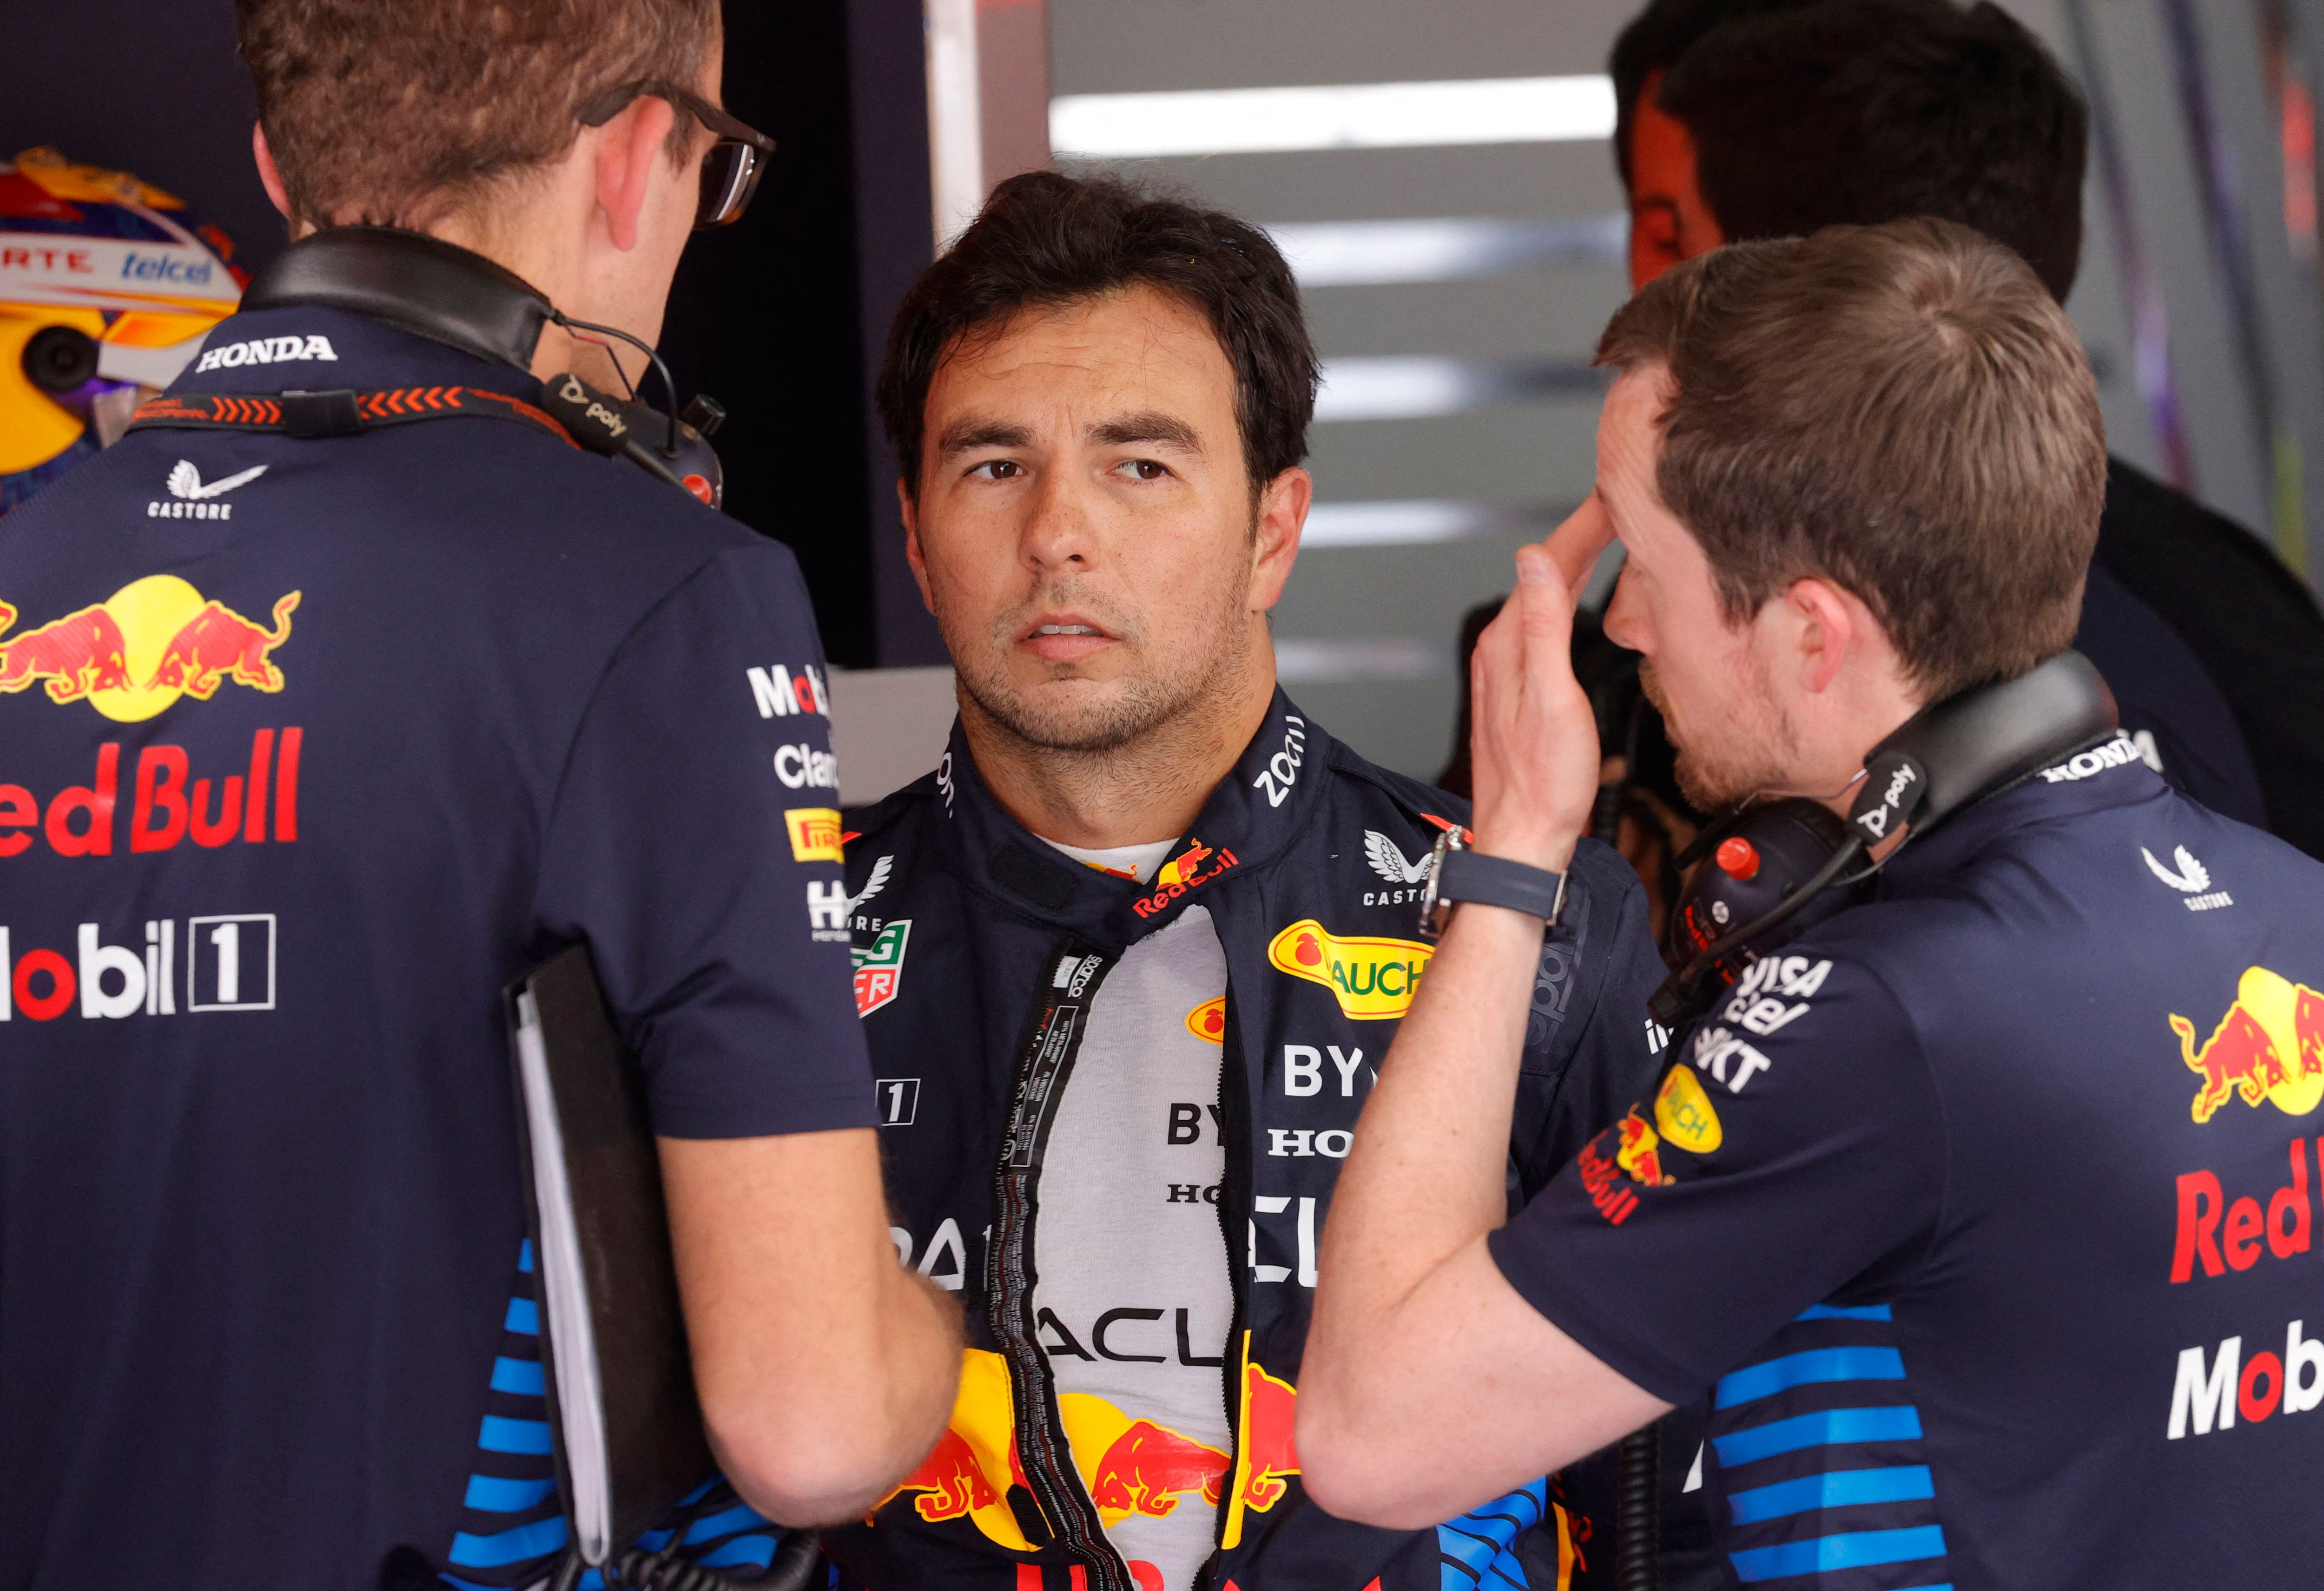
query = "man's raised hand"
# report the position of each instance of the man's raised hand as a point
(1534, 739)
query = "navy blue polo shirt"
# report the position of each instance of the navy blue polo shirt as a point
(307, 749)
(1984, 1214)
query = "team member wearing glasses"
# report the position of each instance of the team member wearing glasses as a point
(266, 1309)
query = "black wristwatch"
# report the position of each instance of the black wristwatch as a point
(1456, 873)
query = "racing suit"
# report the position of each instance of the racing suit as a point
(980, 950)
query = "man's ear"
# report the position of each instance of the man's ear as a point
(268, 178)
(1826, 625)
(912, 554)
(627, 149)
(1282, 515)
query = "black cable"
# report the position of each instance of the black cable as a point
(668, 387)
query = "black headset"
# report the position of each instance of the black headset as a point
(451, 295)
(1776, 866)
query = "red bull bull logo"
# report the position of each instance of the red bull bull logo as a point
(135, 653)
(1208, 1021)
(1181, 873)
(1639, 1151)
(1135, 1466)
(1264, 1456)
(974, 1462)
(2270, 1045)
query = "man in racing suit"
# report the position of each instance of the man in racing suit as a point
(1128, 959)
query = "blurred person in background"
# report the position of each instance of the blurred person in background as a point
(108, 286)
(319, 733)
(1767, 118)
(1128, 958)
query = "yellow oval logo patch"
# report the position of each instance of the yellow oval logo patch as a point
(1683, 1110)
(1370, 978)
(1208, 1021)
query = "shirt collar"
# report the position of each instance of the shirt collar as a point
(1249, 818)
(316, 350)
(2109, 774)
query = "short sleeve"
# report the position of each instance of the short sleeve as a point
(1794, 1142)
(1589, 1049)
(694, 844)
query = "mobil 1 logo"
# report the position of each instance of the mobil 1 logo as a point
(223, 962)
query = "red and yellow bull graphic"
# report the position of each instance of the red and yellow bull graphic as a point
(132, 655)
(1181, 873)
(1136, 1466)
(1129, 1466)
(974, 1462)
(1639, 1151)
(1264, 1456)
(2270, 1045)
(1370, 978)
(1208, 1021)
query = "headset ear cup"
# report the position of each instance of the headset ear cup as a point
(1751, 864)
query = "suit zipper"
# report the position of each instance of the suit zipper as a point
(1068, 988)
(1234, 1225)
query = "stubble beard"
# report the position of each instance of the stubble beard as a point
(1722, 764)
(1161, 687)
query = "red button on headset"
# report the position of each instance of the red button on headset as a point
(1738, 857)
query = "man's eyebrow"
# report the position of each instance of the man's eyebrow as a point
(1166, 429)
(963, 434)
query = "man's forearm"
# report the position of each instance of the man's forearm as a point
(825, 1370)
(871, 1430)
(1426, 1176)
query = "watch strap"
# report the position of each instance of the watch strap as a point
(1496, 880)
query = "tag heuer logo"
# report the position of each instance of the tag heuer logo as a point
(879, 967)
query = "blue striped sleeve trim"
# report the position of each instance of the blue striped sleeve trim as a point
(524, 1257)
(521, 1376)
(501, 1435)
(495, 1494)
(1817, 1365)
(751, 1550)
(523, 1317)
(1830, 1313)
(740, 1517)
(1828, 1554)
(1896, 1423)
(536, 1540)
(1841, 1488)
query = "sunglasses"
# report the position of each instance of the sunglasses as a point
(730, 171)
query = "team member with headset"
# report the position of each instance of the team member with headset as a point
(1977, 1191)
(1743, 119)
(343, 691)
(1128, 959)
